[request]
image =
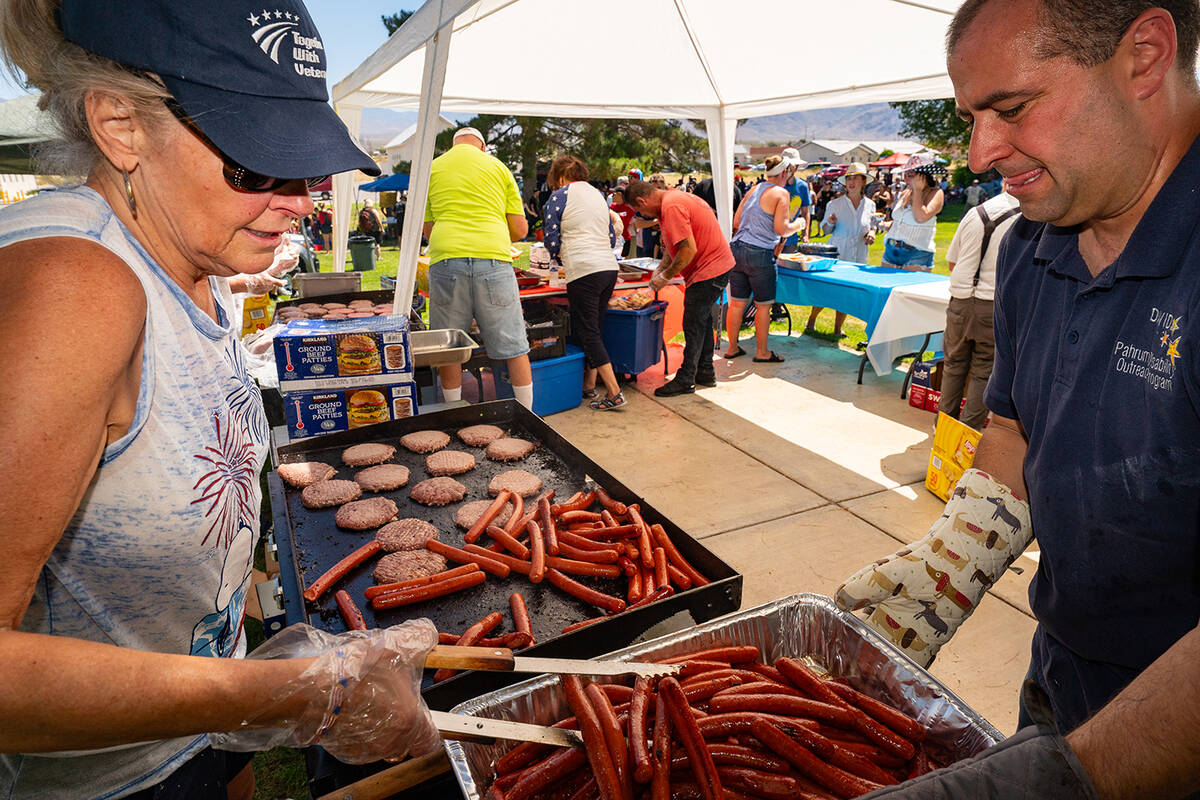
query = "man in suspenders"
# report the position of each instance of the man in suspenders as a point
(969, 342)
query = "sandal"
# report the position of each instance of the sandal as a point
(608, 403)
(740, 352)
(589, 394)
(772, 359)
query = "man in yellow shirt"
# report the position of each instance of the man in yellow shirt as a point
(473, 215)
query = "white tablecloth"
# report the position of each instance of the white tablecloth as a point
(909, 314)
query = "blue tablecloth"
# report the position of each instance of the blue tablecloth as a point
(857, 289)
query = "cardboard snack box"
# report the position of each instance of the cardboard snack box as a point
(953, 454)
(333, 410)
(315, 355)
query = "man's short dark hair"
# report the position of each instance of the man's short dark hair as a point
(638, 190)
(1088, 31)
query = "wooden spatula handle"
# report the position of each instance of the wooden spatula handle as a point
(448, 656)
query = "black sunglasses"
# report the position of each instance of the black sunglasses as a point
(235, 174)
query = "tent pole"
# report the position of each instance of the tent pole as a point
(343, 190)
(437, 51)
(721, 131)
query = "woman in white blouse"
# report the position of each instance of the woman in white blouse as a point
(848, 220)
(909, 243)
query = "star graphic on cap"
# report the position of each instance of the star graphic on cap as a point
(253, 20)
(1166, 337)
(288, 14)
(1173, 351)
(266, 14)
(278, 14)
(1174, 324)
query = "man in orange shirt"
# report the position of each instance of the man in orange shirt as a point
(697, 251)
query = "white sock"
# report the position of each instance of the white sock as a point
(524, 395)
(452, 395)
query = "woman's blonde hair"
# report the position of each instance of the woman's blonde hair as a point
(36, 54)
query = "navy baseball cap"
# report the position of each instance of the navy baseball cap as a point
(251, 77)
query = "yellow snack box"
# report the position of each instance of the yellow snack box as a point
(953, 454)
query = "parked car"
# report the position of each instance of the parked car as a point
(835, 171)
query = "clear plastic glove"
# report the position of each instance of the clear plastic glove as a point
(261, 283)
(287, 256)
(918, 596)
(360, 699)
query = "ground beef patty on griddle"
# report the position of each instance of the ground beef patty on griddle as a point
(405, 534)
(330, 493)
(406, 565)
(438, 492)
(468, 513)
(449, 462)
(480, 435)
(508, 449)
(364, 455)
(424, 441)
(382, 478)
(362, 515)
(305, 473)
(517, 481)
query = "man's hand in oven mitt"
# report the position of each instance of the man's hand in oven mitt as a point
(1033, 764)
(918, 596)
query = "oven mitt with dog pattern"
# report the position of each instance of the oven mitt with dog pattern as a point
(918, 596)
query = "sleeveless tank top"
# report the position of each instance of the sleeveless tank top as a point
(758, 227)
(905, 228)
(159, 553)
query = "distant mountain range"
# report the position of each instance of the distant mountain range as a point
(872, 121)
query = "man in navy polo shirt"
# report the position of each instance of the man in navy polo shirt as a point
(1091, 112)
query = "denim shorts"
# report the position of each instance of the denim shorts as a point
(483, 289)
(902, 254)
(753, 273)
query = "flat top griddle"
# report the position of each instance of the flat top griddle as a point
(313, 543)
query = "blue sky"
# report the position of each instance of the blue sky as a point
(350, 31)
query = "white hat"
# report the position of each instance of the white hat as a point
(470, 132)
(791, 157)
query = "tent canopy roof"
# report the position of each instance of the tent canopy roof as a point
(694, 63)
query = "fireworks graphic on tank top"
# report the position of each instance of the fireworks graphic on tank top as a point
(228, 487)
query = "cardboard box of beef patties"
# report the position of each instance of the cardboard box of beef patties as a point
(329, 411)
(323, 355)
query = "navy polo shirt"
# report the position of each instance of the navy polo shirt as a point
(1104, 375)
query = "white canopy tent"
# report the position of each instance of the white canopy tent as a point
(686, 59)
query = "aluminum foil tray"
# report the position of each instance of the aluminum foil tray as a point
(441, 347)
(803, 625)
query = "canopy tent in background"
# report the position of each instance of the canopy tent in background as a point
(894, 160)
(447, 56)
(388, 183)
(22, 125)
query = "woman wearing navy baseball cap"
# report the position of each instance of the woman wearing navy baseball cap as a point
(132, 436)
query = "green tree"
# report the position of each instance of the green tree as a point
(402, 168)
(393, 21)
(935, 123)
(885, 152)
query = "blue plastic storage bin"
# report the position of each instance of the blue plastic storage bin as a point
(557, 382)
(634, 339)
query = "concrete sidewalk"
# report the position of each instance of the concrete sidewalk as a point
(798, 477)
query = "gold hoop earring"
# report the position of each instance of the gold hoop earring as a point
(129, 194)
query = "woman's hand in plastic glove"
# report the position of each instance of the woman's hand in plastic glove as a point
(287, 256)
(360, 698)
(260, 283)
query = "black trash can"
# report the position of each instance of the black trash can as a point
(362, 253)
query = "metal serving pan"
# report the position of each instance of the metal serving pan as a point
(441, 347)
(309, 543)
(801, 625)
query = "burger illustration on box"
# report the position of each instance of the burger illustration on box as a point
(366, 407)
(358, 354)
